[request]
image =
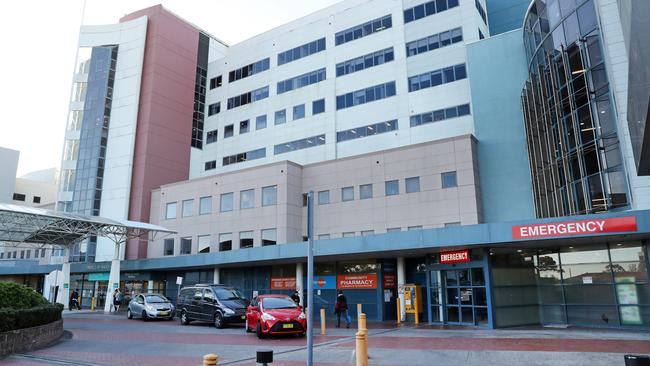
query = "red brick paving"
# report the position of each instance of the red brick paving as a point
(194, 338)
(118, 359)
(509, 344)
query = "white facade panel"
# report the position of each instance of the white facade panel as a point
(325, 24)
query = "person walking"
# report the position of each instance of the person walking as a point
(296, 297)
(341, 309)
(117, 298)
(74, 300)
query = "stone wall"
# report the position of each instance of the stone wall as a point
(28, 339)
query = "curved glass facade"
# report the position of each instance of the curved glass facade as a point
(573, 147)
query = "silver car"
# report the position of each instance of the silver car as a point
(150, 306)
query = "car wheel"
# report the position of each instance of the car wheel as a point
(128, 314)
(248, 329)
(218, 320)
(144, 315)
(184, 318)
(258, 331)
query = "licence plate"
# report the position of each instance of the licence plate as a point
(287, 326)
(243, 317)
(164, 313)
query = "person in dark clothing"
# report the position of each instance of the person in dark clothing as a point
(296, 297)
(74, 301)
(341, 308)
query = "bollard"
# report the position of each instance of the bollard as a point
(210, 360)
(359, 309)
(399, 313)
(417, 312)
(264, 356)
(362, 356)
(92, 304)
(363, 329)
(362, 321)
(636, 360)
(323, 331)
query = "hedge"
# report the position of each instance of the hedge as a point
(17, 296)
(12, 319)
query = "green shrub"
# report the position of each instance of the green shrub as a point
(12, 319)
(16, 296)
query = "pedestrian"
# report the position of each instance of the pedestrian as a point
(117, 298)
(341, 309)
(296, 297)
(74, 300)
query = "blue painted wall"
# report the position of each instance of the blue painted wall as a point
(506, 15)
(497, 72)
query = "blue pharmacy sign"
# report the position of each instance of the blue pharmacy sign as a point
(323, 282)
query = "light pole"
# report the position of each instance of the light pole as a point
(310, 278)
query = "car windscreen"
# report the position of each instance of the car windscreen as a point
(278, 303)
(228, 294)
(152, 299)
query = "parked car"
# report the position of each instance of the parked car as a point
(150, 306)
(275, 314)
(218, 304)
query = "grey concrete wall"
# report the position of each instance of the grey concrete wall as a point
(431, 207)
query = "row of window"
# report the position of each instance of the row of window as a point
(245, 156)
(391, 188)
(301, 51)
(363, 30)
(317, 107)
(428, 8)
(365, 62)
(214, 108)
(369, 130)
(299, 144)
(300, 81)
(366, 95)
(437, 77)
(22, 198)
(248, 70)
(24, 254)
(250, 97)
(433, 42)
(439, 115)
(350, 234)
(226, 203)
(246, 240)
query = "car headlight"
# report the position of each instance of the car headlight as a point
(267, 316)
(228, 311)
(301, 316)
(150, 308)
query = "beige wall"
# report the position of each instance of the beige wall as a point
(431, 207)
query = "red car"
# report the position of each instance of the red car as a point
(275, 314)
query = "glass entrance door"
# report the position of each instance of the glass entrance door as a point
(466, 301)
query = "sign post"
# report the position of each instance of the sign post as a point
(179, 282)
(310, 276)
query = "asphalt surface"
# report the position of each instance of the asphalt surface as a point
(97, 339)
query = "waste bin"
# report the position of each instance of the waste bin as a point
(636, 360)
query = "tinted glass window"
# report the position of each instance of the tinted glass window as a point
(228, 294)
(278, 303)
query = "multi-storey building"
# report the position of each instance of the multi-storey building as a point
(428, 164)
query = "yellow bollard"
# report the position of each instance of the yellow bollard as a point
(359, 309)
(417, 313)
(92, 304)
(362, 355)
(322, 322)
(210, 360)
(399, 312)
(362, 321)
(363, 329)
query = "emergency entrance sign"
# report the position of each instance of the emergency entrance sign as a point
(577, 227)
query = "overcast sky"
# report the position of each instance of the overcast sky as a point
(39, 40)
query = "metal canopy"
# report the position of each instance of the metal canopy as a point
(19, 224)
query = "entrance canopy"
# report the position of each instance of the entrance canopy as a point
(19, 224)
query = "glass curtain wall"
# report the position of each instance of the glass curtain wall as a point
(573, 146)
(603, 285)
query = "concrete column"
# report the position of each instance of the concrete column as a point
(401, 280)
(113, 279)
(299, 276)
(63, 296)
(150, 286)
(217, 276)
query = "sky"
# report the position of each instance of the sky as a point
(39, 41)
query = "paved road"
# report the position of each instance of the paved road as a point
(99, 339)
